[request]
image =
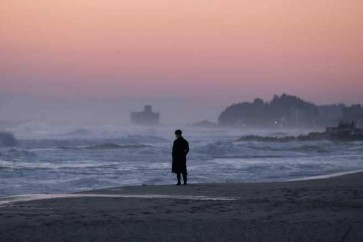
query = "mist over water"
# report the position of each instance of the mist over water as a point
(53, 158)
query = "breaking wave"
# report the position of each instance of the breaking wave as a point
(71, 159)
(7, 139)
(106, 146)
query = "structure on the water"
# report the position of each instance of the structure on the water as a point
(146, 117)
(344, 129)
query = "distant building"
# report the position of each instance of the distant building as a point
(146, 117)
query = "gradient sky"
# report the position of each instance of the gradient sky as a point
(214, 51)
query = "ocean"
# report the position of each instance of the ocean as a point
(53, 158)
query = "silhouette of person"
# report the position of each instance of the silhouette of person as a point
(180, 151)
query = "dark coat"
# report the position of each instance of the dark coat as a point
(180, 151)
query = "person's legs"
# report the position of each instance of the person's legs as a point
(185, 178)
(178, 177)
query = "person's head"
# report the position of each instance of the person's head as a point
(178, 133)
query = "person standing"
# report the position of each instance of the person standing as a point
(180, 151)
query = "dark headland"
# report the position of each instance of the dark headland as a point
(310, 210)
(288, 111)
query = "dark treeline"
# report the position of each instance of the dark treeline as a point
(289, 111)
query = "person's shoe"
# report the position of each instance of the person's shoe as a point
(185, 183)
(178, 184)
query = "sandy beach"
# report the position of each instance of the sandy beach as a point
(309, 210)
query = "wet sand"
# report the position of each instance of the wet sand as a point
(310, 210)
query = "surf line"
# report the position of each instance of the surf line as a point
(34, 197)
(326, 176)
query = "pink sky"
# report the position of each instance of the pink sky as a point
(214, 50)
